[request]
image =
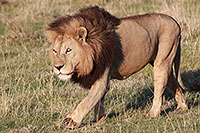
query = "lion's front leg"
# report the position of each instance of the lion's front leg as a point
(99, 111)
(95, 94)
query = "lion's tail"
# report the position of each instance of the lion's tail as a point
(178, 73)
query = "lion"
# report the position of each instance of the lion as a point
(92, 47)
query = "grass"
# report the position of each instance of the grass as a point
(33, 100)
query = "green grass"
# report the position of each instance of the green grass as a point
(2, 29)
(34, 100)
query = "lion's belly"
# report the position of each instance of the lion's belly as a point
(130, 67)
(132, 63)
(138, 48)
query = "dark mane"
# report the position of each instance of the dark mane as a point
(93, 18)
(100, 26)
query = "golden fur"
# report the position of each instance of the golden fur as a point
(92, 46)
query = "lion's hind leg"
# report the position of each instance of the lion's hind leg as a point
(160, 83)
(177, 92)
(163, 62)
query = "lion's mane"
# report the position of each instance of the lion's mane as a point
(101, 27)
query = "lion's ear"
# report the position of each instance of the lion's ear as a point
(82, 33)
(51, 35)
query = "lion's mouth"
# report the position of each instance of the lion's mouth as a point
(60, 73)
(70, 73)
(65, 77)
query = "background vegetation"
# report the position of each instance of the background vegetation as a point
(33, 100)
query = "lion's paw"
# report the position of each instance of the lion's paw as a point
(70, 124)
(152, 114)
(182, 107)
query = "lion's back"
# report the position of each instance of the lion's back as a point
(153, 21)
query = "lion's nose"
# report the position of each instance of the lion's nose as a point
(59, 67)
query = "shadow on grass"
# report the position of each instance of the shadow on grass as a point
(142, 99)
(191, 79)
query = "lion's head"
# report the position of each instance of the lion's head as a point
(71, 55)
(82, 45)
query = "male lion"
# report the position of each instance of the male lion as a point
(92, 47)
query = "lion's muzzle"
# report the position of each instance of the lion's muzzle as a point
(64, 77)
(62, 74)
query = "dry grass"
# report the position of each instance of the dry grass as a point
(33, 100)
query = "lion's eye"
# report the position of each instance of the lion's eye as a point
(68, 50)
(54, 51)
